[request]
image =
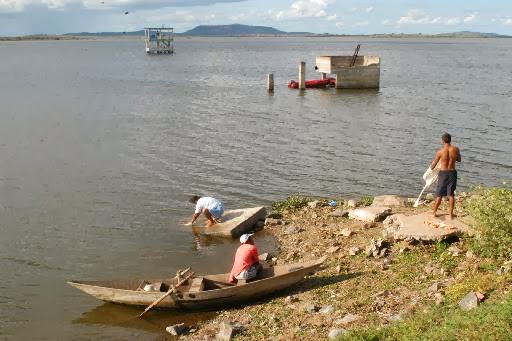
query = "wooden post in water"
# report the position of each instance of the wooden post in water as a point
(270, 82)
(302, 76)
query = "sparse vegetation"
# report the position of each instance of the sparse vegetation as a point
(492, 321)
(492, 210)
(292, 203)
(366, 201)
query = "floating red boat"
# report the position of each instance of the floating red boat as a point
(315, 83)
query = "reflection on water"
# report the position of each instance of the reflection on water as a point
(155, 321)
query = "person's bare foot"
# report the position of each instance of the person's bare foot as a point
(453, 216)
(210, 223)
(435, 215)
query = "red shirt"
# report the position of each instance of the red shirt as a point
(246, 255)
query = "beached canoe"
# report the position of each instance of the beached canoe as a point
(234, 223)
(211, 291)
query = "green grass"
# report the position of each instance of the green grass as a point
(292, 203)
(491, 321)
(491, 209)
(366, 201)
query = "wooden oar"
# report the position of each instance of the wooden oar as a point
(172, 290)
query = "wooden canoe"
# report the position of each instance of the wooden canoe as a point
(211, 291)
(234, 223)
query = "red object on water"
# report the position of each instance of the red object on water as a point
(316, 83)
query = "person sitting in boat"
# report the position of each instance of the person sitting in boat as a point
(247, 263)
(212, 208)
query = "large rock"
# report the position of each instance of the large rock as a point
(340, 213)
(336, 333)
(422, 227)
(370, 214)
(349, 318)
(389, 200)
(227, 330)
(177, 329)
(469, 302)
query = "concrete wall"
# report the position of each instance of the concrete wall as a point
(358, 77)
(363, 75)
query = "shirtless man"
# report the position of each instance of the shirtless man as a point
(447, 180)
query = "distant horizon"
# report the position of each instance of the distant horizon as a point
(272, 27)
(349, 17)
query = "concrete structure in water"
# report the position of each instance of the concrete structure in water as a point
(364, 74)
(159, 40)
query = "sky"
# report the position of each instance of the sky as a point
(23, 17)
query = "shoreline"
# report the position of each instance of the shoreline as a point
(357, 292)
(290, 36)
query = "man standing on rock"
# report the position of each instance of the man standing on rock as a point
(447, 179)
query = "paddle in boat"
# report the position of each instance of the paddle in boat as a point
(199, 292)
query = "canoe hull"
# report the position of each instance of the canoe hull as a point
(279, 279)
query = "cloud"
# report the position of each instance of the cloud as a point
(452, 21)
(386, 22)
(13, 6)
(362, 23)
(368, 9)
(304, 9)
(339, 24)
(417, 16)
(332, 17)
(470, 18)
(507, 21)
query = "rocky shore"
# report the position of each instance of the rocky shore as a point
(378, 273)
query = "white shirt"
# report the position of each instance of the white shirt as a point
(206, 202)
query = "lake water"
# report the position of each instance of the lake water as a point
(101, 145)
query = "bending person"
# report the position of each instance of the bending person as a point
(212, 208)
(247, 263)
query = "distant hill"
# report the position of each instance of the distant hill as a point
(468, 34)
(232, 30)
(237, 30)
(206, 31)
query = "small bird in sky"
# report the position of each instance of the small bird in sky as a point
(126, 13)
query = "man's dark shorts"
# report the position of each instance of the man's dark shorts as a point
(446, 183)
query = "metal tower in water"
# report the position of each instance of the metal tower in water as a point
(159, 40)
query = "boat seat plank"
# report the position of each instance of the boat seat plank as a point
(197, 284)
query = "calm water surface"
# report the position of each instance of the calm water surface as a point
(100, 145)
